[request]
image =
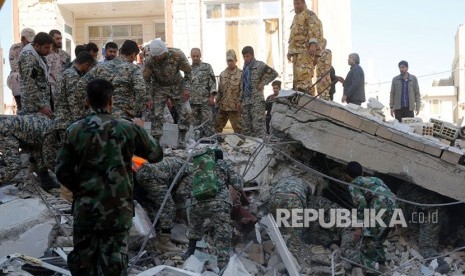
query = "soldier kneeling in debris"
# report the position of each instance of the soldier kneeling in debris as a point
(152, 182)
(33, 134)
(209, 166)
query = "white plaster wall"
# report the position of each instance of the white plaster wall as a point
(187, 25)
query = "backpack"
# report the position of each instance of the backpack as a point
(205, 177)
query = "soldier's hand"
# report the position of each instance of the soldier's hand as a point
(149, 105)
(417, 112)
(289, 56)
(47, 111)
(357, 234)
(185, 94)
(211, 101)
(138, 121)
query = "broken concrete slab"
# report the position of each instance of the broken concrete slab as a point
(177, 271)
(8, 193)
(235, 267)
(193, 264)
(25, 227)
(178, 233)
(141, 226)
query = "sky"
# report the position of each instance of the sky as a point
(421, 32)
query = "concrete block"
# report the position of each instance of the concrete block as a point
(193, 264)
(353, 120)
(384, 132)
(322, 107)
(400, 139)
(435, 151)
(338, 113)
(451, 157)
(417, 145)
(369, 126)
(307, 102)
(170, 135)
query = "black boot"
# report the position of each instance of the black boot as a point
(190, 249)
(46, 182)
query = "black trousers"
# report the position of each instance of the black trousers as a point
(404, 112)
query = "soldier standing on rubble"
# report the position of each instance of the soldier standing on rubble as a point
(269, 103)
(354, 83)
(33, 134)
(216, 209)
(323, 71)
(152, 182)
(305, 26)
(164, 80)
(27, 35)
(405, 94)
(130, 97)
(33, 70)
(95, 164)
(379, 197)
(255, 75)
(58, 59)
(203, 93)
(229, 91)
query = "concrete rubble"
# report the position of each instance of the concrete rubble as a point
(33, 225)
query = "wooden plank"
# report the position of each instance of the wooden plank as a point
(384, 132)
(369, 126)
(338, 113)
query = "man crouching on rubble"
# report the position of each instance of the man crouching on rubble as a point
(95, 164)
(218, 210)
(377, 197)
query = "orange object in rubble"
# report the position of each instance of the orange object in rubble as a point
(137, 162)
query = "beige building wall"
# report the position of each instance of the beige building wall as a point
(458, 66)
(2, 83)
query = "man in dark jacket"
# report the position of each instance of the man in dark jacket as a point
(354, 84)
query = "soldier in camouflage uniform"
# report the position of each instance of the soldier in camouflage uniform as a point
(130, 97)
(95, 164)
(66, 85)
(153, 181)
(290, 193)
(164, 80)
(255, 75)
(33, 134)
(33, 71)
(27, 35)
(305, 26)
(203, 90)
(218, 210)
(323, 69)
(58, 59)
(372, 238)
(229, 91)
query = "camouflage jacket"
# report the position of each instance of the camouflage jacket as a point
(167, 75)
(260, 75)
(295, 186)
(162, 173)
(35, 87)
(66, 85)
(382, 199)
(229, 89)
(203, 83)
(324, 64)
(14, 56)
(130, 94)
(95, 164)
(57, 62)
(305, 26)
(30, 129)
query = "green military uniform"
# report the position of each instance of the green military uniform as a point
(290, 193)
(164, 81)
(65, 87)
(218, 210)
(229, 91)
(95, 164)
(33, 134)
(35, 88)
(323, 68)
(372, 250)
(13, 77)
(130, 94)
(305, 26)
(203, 86)
(155, 179)
(255, 76)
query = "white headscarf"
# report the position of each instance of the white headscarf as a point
(157, 47)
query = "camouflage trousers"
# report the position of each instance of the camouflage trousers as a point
(159, 103)
(218, 212)
(303, 70)
(202, 114)
(253, 119)
(10, 161)
(317, 234)
(223, 117)
(99, 253)
(324, 86)
(372, 248)
(288, 201)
